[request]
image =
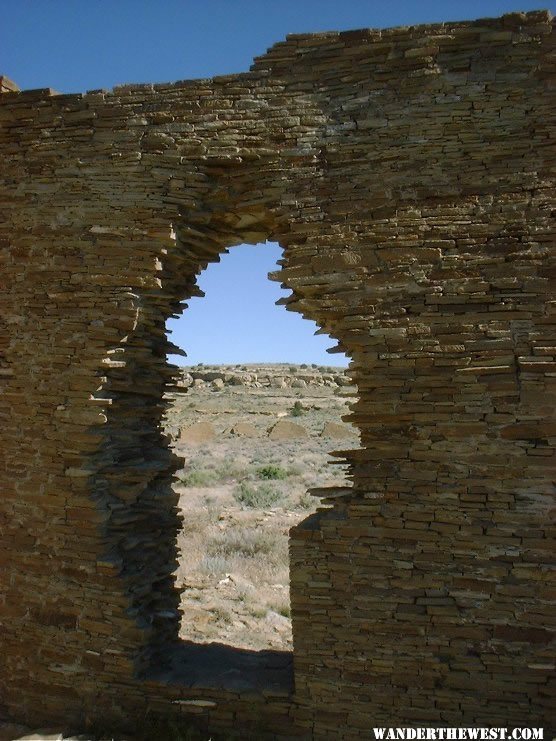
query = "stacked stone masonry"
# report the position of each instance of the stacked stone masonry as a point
(408, 176)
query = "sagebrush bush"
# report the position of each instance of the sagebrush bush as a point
(282, 607)
(231, 471)
(199, 477)
(257, 497)
(244, 541)
(212, 509)
(204, 477)
(258, 611)
(306, 501)
(221, 614)
(214, 565)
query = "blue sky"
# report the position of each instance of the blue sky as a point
(237, 321)
(78, 45)
(75, 45)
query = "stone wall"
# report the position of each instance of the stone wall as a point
(407, 174)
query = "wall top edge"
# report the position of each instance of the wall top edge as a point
(296, 45)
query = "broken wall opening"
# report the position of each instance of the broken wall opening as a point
(255, 439)
(419, 230)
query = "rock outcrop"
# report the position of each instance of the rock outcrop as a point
(286, 431)
(195, 434)
(337, 431)
(278, 377)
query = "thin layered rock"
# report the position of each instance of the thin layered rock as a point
(408, 176)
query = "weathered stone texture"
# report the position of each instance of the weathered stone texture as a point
(408, 175)
(286, 430)
(198, 433)
(7, 85)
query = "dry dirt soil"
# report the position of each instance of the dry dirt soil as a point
(244, 485)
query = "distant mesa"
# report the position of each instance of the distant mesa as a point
(200, 432)
(218, 378)
(284, 430)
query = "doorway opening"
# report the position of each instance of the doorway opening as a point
(258, 409)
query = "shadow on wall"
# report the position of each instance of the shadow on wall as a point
(218, 666)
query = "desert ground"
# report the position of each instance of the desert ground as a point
(255, 439)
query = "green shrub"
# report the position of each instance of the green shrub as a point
(257, 497)
(272, 471)
(210, 476)
(297, 409)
